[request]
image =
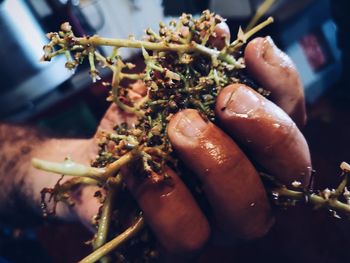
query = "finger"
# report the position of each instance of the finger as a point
(230, 182)
(171, 212)
(275, 71)
(266, 131)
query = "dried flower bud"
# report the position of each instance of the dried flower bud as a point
(66, 27)
(172, 23)
(326, 193)
(95, 75)
(51, 35)
(345, 167)
(130, 65)
(296, 184)
(70, 65)
(172, 75)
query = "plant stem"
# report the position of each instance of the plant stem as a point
(132, 76)
(68, 185)
(68, 167)
(257, 28)
(129, 43)
(238, 42)
(114, 243)
(262, 9)
(103, 225)
(314, 199)
(101, 235)
(160, 46)
(125, 107)
(114, 167)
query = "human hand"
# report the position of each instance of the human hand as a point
(237, 197)
(230, 181)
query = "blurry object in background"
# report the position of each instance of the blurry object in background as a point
(23, 77)
(175, 8)
(340, 11)
(310, 39)
(21, 245)
(314, 51)
(29, 87)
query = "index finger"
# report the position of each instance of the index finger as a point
(267, 133)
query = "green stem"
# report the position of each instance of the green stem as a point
(314, 199)
(259, 27)
(68, 167)
(103, 225)
(263, 8)
(48, 57)
(92, 61)
(127, 108)
(101, 235)
(132, 76)
(238, 42)
(114, 53)
(115, 243)
(341, 187)
(104, 61)
(131, 43)
(114, 167)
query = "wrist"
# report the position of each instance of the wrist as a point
(54, 150)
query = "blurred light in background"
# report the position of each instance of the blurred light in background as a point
(24, 80)
(26, 29)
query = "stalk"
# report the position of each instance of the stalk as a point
(115, 243)
(103, 224)
(331, 203)
(68, 167)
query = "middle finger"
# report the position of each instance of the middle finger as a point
(229, 180)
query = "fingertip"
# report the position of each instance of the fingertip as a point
(236, 99)
(276, 72)
(253, 49)
(185, 126)
(266, 131)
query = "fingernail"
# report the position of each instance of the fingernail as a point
(190, 124)
(242, 101)
(271, 53)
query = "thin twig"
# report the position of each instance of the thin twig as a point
(104, 221)
(314, 199)
(115, 243)
(68, 167)
(262, 9)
